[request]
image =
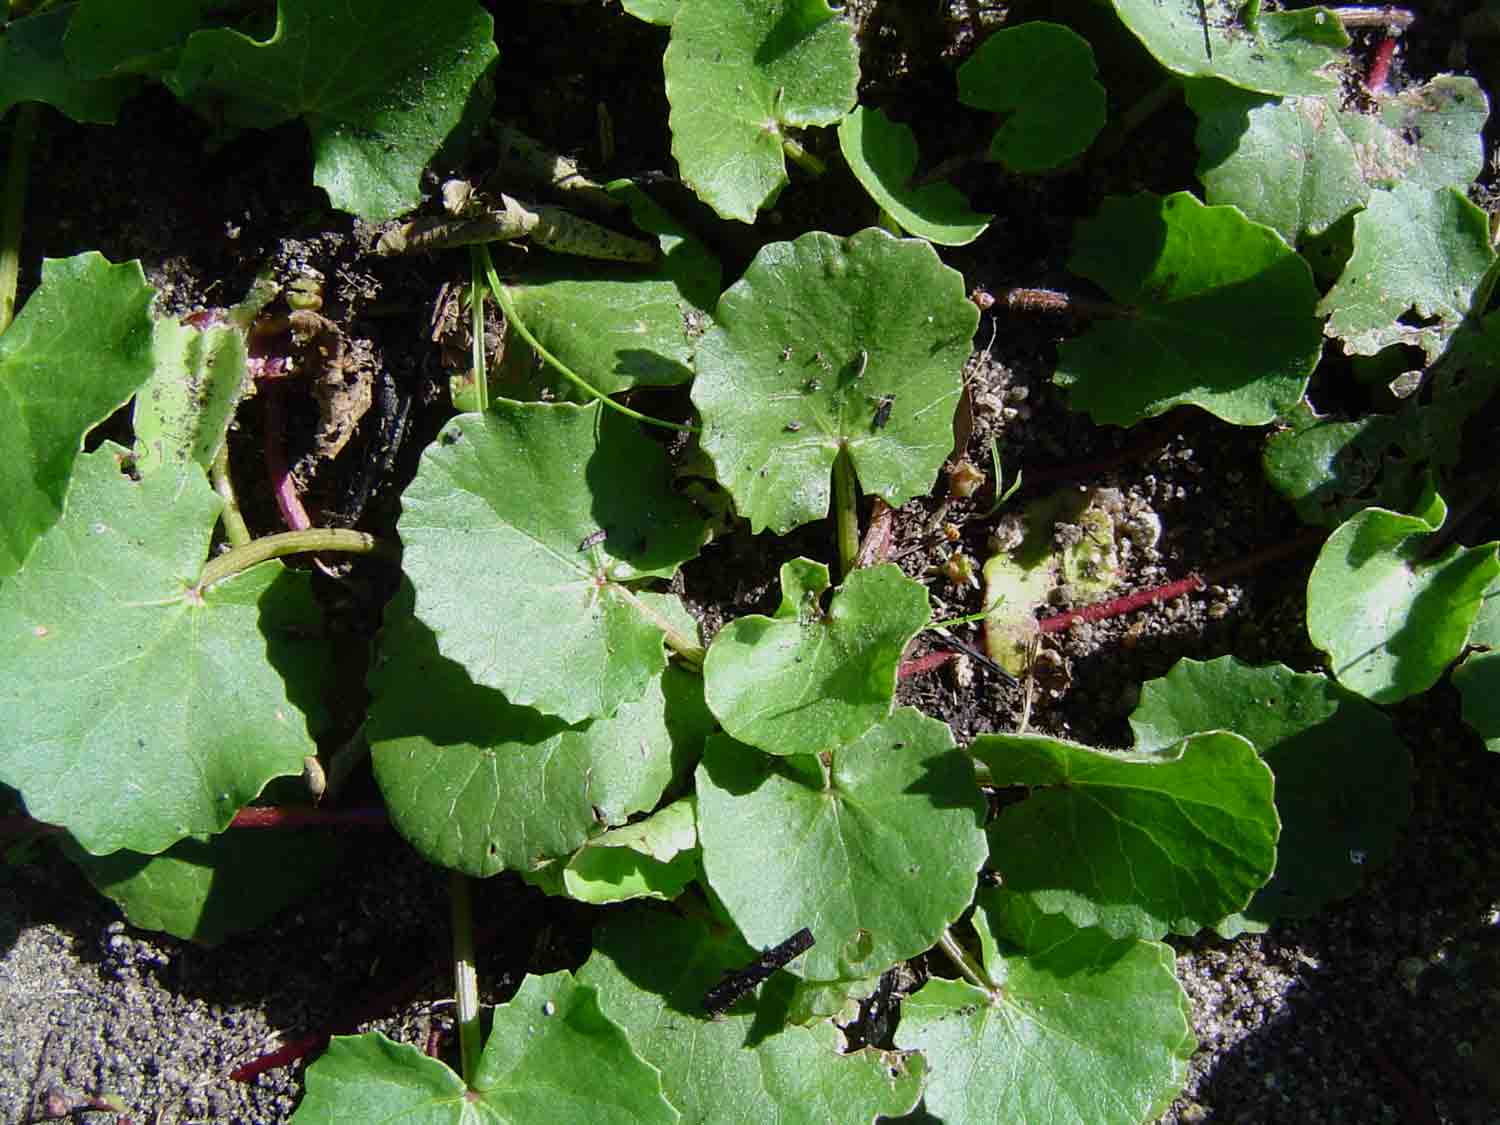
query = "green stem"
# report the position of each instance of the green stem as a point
(802, 158)
(343, 762)
(846, 511)
(476, 328)
(234, 522)
(888, 223)
(970, 968)
(679, 642)
(465, 974)
(13, 208)
(952, 622)
(1132, 119)
(285, 543)
(513, 319)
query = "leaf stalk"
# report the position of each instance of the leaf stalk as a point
(277, 546)
(12, 211)
(465, 974)
(846, 511)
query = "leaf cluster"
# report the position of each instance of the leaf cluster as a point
(541, 701)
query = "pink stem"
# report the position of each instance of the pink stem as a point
(1380, 65)
(923, 664)
(294, 816)
(282, 483)
(1118, 607)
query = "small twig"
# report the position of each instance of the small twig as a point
(876, 546)
(947, 640)
(1398, 19)
(945, 168)
(1022, 299)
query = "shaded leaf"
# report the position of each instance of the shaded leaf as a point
(33, 68)
(1043, 76)
(1478, 677)
(76, 352)
(1137, 844)
(381, 85)
(882, 154)
(481, 785)
(1218, 312)
(209, 890)
(107, 38)
(1343, 777)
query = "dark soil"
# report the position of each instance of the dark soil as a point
(1384, 1008)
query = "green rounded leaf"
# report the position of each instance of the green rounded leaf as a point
(805, 680)
(1299, 164)
(652, 858)
(882, 154)
(78, 349)
(1043, 76)
(622, 326)
(738, 73)
(480, 785)
(209, 890)
(1415, 250)
(876, 859)
(33, 68)
(380, 84)
(1274, 53)
(810, 344)
(501, 529)
(140, 711)
(1137, 844)
(1087, 1030)
(1343, 777)
(107, 38)
(1218, 313)
(549, 1035)
(746, 1066)
(1390, 618)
